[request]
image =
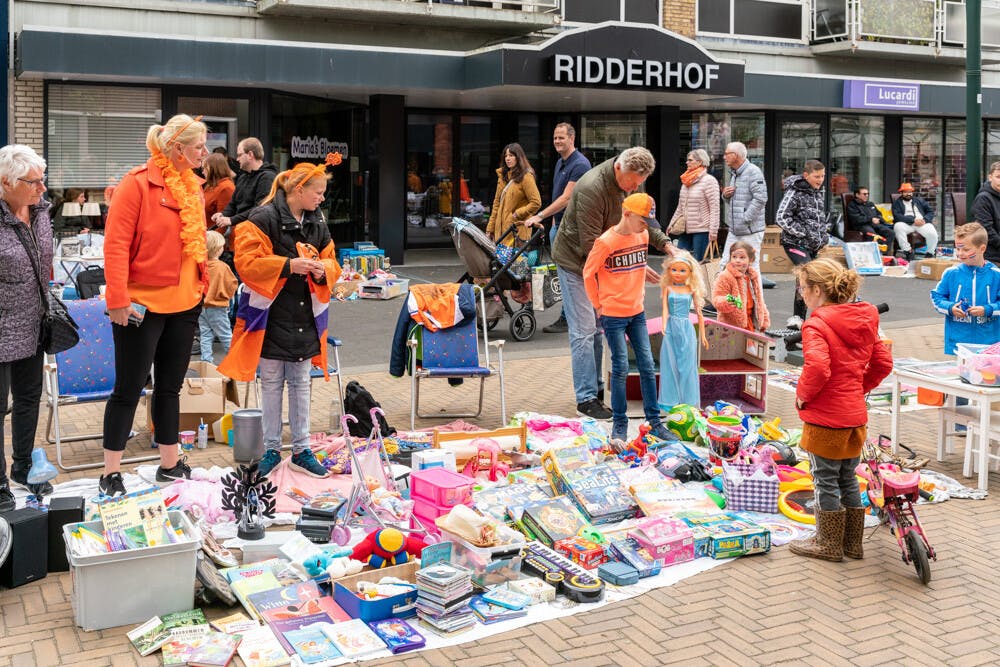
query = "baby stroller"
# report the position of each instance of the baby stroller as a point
(375, 500)
(498, 278)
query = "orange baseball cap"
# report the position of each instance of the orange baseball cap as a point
(906, 187)
(643, 206)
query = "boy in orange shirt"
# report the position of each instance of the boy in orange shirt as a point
(615, 278)
(214, 318)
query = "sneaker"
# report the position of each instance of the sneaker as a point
(794, 322)
(268, 462)
(180, 471)
(559, 326)
(661, 432)
(20, 478)
(112, 485)
(619, 432)
(306, 462)
(7, 502)
(767, 283)
(594, 409)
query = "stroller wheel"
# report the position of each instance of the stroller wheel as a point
(341, 535)
(522, 325)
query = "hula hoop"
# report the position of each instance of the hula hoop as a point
(798, 505)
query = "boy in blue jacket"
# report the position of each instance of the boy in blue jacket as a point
(968, 294)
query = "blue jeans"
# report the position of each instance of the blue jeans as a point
(552, 240)
(273, 376)
(615, 330)
(586, 346)
(696, 243)
(214, 322)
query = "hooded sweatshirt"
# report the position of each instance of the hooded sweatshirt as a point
(985, 210)
(978, 286)
(801, 215)
(844, 360)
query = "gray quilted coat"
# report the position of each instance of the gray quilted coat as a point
(21, 307)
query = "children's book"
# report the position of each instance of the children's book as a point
(260, 648)
(237, 623)
(153, 514)
(599, 493)
(213, 649)
(663, 499)
(296, 600)
(311, 644)
(149, 636)
(282, 626)
(271, 565)
(397, 634)
(553, 520)
(495, 501)
(354, 638)
(123, 527)
(488, 613)
(243, 588)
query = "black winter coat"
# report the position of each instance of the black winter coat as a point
(860, 215)
(291, 330)
(251, 189)
(985, 210)
(801, 215)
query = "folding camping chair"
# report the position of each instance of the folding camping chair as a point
(454, 353)
(83, 374)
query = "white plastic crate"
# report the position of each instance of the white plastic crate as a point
(383, 289)
(129, 587)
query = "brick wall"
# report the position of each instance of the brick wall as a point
(28, 114)
(678, 16)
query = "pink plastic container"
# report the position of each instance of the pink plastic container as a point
(441, 487)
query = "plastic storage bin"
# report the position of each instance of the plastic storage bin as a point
(976, 367)
(128, 587)
(489, 565)
(383, 289)
(440, 486)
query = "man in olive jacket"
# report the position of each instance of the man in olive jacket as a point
(594, 207)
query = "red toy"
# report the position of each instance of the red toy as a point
(388, 546)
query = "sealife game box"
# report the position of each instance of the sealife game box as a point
(598, 493)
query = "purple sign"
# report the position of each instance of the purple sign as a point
(876, 95)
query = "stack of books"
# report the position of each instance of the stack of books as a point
(443, 594)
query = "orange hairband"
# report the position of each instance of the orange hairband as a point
(332, 160)
(179, 132)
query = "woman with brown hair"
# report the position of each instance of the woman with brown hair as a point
(517, 197)
(219, 185)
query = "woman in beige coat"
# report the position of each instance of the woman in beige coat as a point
(517, 197)
(699, 204)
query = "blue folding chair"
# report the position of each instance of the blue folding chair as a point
(83, 374)
(454, 353)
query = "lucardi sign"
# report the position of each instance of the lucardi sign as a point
(862, 94)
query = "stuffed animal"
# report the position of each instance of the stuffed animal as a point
(341, 567)
(388, 546)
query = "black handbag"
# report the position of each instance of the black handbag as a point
(58, 332)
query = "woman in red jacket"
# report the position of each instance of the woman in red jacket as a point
(154, 262)
(844, 360)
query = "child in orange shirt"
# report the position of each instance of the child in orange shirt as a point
(615, 278)
(214, 318)
(737, 295)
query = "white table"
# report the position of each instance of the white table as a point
(980, 398)
(76, 263)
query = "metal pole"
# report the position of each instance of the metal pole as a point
(7, 71)
(973, 99)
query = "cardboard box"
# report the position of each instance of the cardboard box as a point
(933, 268)
(399, 606)
(774, 260)
(204, 397)
(836, 253)
(772, 237)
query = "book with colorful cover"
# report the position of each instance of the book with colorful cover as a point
(181, 643)
(260, 648)
(153, 514)
(599, 494)
(397, 634)
(213, 649)
(236, 623)
(496, 500)
(311, 644)
(149, 636)
(667, 499)
(249, 570)
(553, 520)
(296, 600)
(243, 588)
(488, 613)
(122, 525)
(354, 638)
(282, 626)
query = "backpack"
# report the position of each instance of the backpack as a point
(89, 281)
(358, 402)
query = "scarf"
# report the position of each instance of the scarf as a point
(186, 191)
(691, 175)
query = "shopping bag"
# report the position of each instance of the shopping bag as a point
(545, 289)
(750, 487)
(711, 265)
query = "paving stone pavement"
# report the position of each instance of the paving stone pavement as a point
(761, 610)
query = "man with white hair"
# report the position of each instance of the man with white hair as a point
(594, 207)
(747, 197)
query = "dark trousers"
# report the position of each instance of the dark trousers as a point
(799, 255)
(163, 342)
(23, 380)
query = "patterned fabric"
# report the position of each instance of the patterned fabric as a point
(452, 352)
(748, 488)
(87, 371)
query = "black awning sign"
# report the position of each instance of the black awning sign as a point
(633, 72)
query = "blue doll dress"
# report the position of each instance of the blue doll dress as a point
(678, 355)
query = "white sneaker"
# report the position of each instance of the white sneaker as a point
(794, 322)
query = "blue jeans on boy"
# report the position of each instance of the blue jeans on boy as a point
(586, 347)
(214, 321)
(615, 330)
(273, 376)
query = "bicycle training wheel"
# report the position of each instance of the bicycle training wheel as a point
(918, 554)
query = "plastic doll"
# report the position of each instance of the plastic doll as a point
(737, 295)
(682, 285)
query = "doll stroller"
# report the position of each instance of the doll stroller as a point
(374, 501)
(499, 278)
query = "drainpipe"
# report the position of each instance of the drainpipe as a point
(973, 99)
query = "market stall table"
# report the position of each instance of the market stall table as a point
(73, 264)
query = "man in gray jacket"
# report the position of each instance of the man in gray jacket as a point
(747, 197)
(594, 207)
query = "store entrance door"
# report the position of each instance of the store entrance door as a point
(801, 137)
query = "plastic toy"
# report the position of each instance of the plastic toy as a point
(772, 430)
(798, 504)
(388, 546)
(686, 421)
(735, 300)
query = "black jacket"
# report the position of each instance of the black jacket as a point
(899, 206)
(860, 215)
(985, 210)
(251, 189)
(291, 329)
(801, 215)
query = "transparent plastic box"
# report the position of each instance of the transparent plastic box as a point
(490, 565)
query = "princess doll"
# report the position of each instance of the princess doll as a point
(681, 284)
(737, 295)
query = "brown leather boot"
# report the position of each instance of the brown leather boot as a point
(828, 542)
(854, 532)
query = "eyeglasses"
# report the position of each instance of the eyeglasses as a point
(862, 194)
(35, 182)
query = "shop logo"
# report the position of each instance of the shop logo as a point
(317, 147)
(632, 72)
(861, 94)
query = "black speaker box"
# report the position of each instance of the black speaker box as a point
(28, 558)
(61, 512)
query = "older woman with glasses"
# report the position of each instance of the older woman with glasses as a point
(155, 265)
(25, 257)
(699, 204)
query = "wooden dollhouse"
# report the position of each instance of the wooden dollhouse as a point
(732, 369)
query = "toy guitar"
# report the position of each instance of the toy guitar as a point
(570, 579)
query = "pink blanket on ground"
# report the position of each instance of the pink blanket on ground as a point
(284, 477)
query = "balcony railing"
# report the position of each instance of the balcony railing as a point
(543, 6)
(939, 24)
